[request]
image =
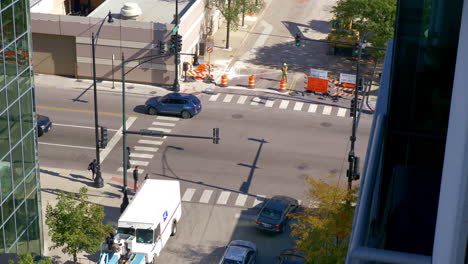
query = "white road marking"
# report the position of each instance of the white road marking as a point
(341, 112)
(188, 195)
(298, 106)
(205, 198)
(68, 146)
(163, 124)
(242, 99)
(116, 138)
(255, 101)
(168, 118)
(240, 201)
(140, 155)
(312, 108)
(258, 200)
(327, 110)
(150, 142)
(284, 104)
(139, 148)
(223, 197)
(75, 126)
(165, 130)
(214, 97)
(269, 103)
(228, 98)
(139, 163)
(140, 171)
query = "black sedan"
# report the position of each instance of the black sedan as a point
(239, 252)
(274, 214)
(291, 256)
(43, 125)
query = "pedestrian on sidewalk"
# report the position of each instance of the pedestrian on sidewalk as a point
(284, 72)
(146, 176)
(135, 179)
(93, 168)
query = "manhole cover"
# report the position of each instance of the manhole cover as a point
(153, 92)
(303, 166)
(130, 87)
(326, 124)
(237, 116)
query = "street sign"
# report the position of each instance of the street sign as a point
(175, 29)
(320, 74)
(347, 78)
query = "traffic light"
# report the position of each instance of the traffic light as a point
(215, 135)
(127, 157)
(173, 43)
(353, 106)
(179, 43)
(195, 61)
(103, 137)
(356, 47)
(298, 40)
(356, 173)
(162, 47)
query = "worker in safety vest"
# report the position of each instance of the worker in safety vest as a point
(284, 72)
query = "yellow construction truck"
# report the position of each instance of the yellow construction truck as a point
(343, 32)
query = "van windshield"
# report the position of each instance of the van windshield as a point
(126, 231)
(144, 236)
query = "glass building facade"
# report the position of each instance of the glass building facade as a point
(20, 210)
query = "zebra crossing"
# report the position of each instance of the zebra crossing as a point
(279, 103)
(147, 146)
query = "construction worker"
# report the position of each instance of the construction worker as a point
(284, 72)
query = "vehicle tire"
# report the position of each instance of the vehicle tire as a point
(40, 132)
(185, 114)
(152, 111)
(174, 228)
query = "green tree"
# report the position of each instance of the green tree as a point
(28, 259)
(322, 232)
(75, 224)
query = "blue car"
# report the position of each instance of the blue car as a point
(185, 105)
(43, 125)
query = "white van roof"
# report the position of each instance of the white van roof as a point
(149, 204)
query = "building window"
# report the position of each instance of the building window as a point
(29, 154)
(2, 243)
(17, 155)
(21, 222)
(10, 233)
(20, 17)
(12, 91)
(31, 204)
(34, 238)
(26, 115)
(4, 138)
(8, 25)
(5, 178)
(15, 123)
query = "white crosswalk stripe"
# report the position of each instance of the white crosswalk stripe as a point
(298, 106)
(258, 200)
(149, 142)
(140, 171)
(341, 112)
(140, 155)
(242, 99)
(255, 101)
(312, 108)
(284, 104)
(139, 163)
(269, 103)
(206, 195)
(214, 97)
(241, 198)
(140, 148)
(327, 110)
(223, 197)
(228, 98)
(188, 195)
(163, 124)
(153, 137)
(165, 130)
(168, 118)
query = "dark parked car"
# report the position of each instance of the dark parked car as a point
(186, 105)
(273, 215)
(291, 256)
(239, 252)
(43, 125)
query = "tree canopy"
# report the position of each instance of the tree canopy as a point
(323, 230)
(76, 224)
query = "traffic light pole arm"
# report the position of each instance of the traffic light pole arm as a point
(145, 132)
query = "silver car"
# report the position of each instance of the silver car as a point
(240, 252)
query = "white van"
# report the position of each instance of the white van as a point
(149, 220)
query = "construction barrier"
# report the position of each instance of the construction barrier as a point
(224, 80)
(252, 81)
(315, 84)
(283, 86)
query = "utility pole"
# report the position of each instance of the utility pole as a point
(176, 86)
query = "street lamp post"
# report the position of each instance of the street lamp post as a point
(98, 181)
(176, 86)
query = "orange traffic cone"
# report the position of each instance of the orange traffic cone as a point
(282, 86)
(224, 80)
(252, 81)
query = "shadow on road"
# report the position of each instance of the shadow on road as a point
(246, 184)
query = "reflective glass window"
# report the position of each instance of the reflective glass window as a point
(10, 232)
(5, 177)
(17, 159)
(8, 25)
(3, 102)
(12, 91)
(6, 2)
(15, 123)
(4, 139)
(8, 207)
(25, 79)
(22, 53)
(2, 69)
(34, 243)
(23, 244)
(27, 121)
(32, 208)
(20, 17)
(30, 182)
(2, 243)
(21, 220)
(19, 195)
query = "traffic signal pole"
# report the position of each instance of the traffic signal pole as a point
(176, 86)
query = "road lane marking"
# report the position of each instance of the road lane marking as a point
(269, 103)
(240, 201)
(255, 101)
(149, 142)
(293, 84)
(258, 200)
(140, 171)
(68, 146)
(327, 110)
(139, 148)
(205, 198)
(141, 155)
(116, 138)
(188, 195)
(166, 130)
(86, 127)
(163, 124)
(284, 104)
(80, 111)
(214, 97)
(168, 118)
(223, 197)
(312, 108)
(139, 163)
(242, 99)
(298, 106)
(341, 112)
(228, 98)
